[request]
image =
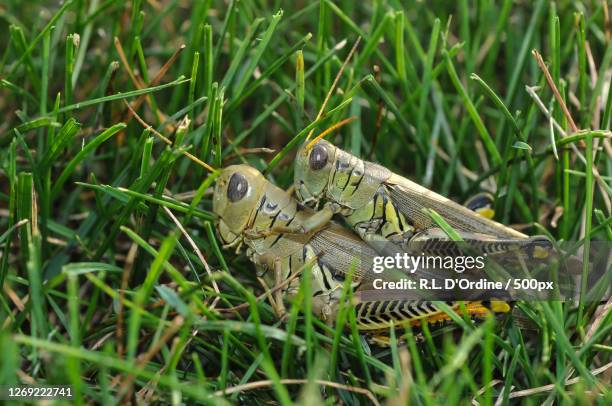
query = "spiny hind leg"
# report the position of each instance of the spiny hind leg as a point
(427, 312)
(376, 318)
(383, 338)
(435, 241)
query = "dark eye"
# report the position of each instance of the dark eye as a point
(237, 187)
(318, 157)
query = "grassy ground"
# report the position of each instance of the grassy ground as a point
(101, 288)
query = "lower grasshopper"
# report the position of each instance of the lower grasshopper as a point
(253, 213)
(383, 207)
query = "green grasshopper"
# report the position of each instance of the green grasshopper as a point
(253, 213)
(383, 207)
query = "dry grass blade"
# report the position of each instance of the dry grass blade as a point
(465, 171)
(126, 65)
(403, 395)
(143, 359)
(168, 141)
(335, 83)
(548, 388)
(531, 90)
(148, 390)
(17, 301)
(551, 83)
(137, 82)
(160, 75)
(482, 390)
(267, 383)
(599, 318)
(268, 293)
(198, 253)
(125, 277)
(607, 23)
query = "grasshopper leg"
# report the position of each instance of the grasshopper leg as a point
(319, 220)
(313, 224)
(434, 241)
(278, 279)
(257, 234)
(270, 297)
(291, 190)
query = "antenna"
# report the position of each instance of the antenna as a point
(334, 84)
(329, 130)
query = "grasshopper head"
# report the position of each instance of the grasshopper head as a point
(237, 193)
(312, 169)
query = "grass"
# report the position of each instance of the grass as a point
(102, 290)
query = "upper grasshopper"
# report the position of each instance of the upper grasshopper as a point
(383, 207)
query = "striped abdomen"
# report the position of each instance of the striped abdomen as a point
(382, 217)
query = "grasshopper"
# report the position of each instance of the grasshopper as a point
(383, 207)
(253, 213)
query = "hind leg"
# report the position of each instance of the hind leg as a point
(278, 295)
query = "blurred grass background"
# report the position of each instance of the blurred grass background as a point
(102, 290)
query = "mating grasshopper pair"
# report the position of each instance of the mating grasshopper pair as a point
(282, 236)
(253, 212)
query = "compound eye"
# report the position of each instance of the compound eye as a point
(237, 188)
(318, 157)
